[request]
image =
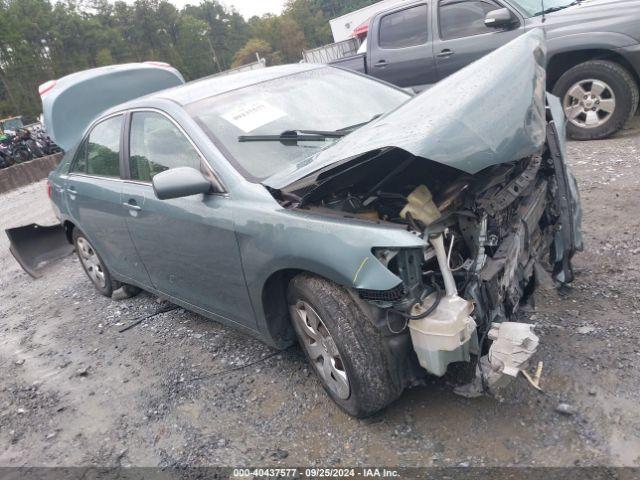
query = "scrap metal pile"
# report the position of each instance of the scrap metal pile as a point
(25, 143)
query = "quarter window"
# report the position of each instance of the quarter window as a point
(405, 28)
(464, 18)
(99, 154)
(156, 145)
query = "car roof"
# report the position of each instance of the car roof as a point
(217, 84)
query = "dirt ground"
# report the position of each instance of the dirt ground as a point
(75, 391)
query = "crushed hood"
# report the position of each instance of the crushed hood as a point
(491, 112)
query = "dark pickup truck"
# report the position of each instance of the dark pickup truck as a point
(593, 50)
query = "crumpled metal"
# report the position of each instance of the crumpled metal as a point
(491, 112)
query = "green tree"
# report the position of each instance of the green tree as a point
(247, 54)
(45, 39)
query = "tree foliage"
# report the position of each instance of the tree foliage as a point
(45, 39)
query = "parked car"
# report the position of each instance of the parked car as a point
(593, 50)
(390, 235)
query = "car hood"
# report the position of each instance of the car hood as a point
(491, 112)
(591, 16)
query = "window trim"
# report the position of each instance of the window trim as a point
(85, 138)
(127, 142)
(427, 26)
(497, 30)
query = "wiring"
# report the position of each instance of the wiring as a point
(236, 368)
(138, 321)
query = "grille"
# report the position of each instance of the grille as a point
(391, 295)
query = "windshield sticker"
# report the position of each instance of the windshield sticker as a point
(249, 116)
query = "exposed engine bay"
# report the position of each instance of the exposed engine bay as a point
(490, 238)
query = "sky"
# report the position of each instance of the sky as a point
(247, 8)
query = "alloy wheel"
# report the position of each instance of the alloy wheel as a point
(589, 103)
(321, 348)
(91, 262)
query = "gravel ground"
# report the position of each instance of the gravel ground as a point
(75, 391)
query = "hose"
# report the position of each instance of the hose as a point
(427, 312)
(408, 317)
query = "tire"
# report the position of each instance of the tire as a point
(91, 263)
(353, 344)
(621, 89)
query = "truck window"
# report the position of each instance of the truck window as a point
(464, 18)
(405, 28)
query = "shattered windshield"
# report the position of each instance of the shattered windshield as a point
(323, 99)
(533, 8)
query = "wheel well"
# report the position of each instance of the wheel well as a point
(68, 230)
(560, 63)
(274, 303)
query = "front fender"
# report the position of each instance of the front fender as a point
(587, 41)
(333, 247)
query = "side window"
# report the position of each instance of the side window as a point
(464, 18)
(99, 154)
(79, 164)
(156, 144)
(405, 28)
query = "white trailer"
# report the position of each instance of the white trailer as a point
(343, 27)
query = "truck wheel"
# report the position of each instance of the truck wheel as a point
(598, 98)
(93, 265)
(343, 346)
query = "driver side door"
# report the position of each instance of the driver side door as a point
(187, 245)
(462, 37)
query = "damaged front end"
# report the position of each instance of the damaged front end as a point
(489, 193)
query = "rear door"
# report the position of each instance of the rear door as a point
(402, 52)
(93, 187)
(462, 37)
(188, 245)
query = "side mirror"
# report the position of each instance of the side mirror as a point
(179, 182)
(500, 18)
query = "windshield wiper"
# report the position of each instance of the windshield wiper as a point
(291, 137)
(294, 136)
(556, 9)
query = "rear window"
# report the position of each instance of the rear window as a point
(405, 28)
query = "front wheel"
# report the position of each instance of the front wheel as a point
(343, 346)
(598, 98)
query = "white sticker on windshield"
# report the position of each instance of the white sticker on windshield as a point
(249, 116)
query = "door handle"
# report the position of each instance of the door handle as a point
(132, 206)
(380, 63)
(446, 53)
(72, 190)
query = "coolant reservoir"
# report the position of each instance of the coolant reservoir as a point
(421, 206)
(446, 335)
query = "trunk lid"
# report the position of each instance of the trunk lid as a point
(71, 103)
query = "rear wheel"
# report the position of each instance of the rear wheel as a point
(342, 345)
(598, 98)
(93, 265)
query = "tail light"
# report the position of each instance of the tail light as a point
(158, 64)
(46, 87)
(49, 188)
